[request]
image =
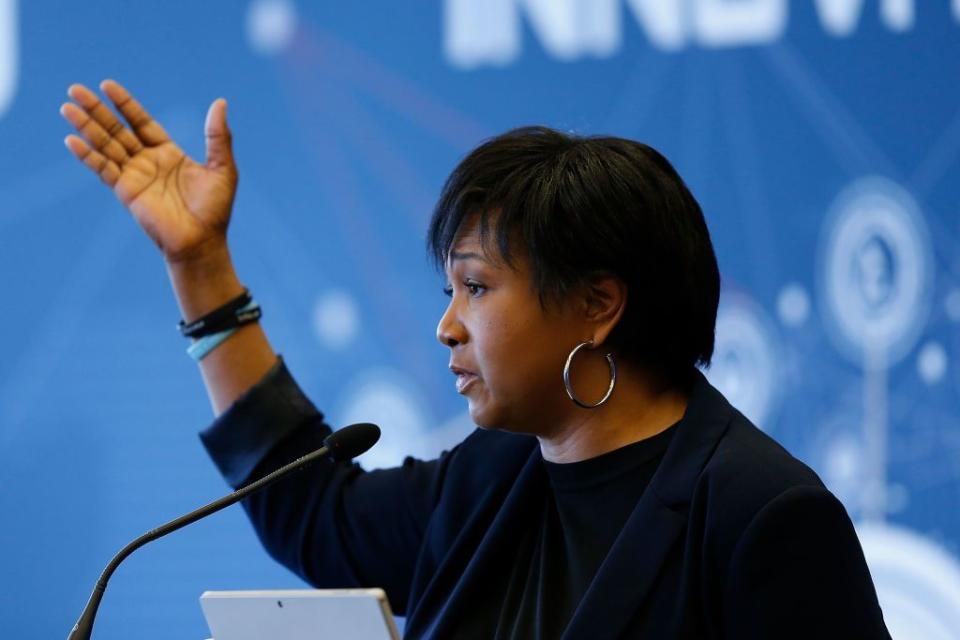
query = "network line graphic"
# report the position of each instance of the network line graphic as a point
(829, 195)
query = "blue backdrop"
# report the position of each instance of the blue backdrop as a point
(821, 138)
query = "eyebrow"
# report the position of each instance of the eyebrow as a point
(466, 255)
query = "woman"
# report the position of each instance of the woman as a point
(610, 490)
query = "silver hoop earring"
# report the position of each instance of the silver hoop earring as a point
(569, 388)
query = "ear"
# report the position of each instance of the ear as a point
(605, 300)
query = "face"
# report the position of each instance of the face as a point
(512, 350)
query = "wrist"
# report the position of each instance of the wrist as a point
(209, 258)
(205, 281)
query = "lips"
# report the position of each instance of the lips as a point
(460, 370)
(464, 380)
(464, 377)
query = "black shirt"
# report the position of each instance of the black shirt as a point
(583, 513)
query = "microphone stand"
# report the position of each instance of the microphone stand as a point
(84, 626)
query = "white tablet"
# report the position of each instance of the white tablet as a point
(299, 614)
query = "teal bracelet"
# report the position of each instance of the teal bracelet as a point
(199, 349)
(203, 346)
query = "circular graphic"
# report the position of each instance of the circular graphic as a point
(793, 305)
(843, 467)
(875, 271)
(744, 366)
(932, 362)
(835, 451)
(335, 319)
(917, 581)
(271, 25)
(388, 399)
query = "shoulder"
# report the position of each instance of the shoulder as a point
(750, 476)
(783, 545)
(750, 465)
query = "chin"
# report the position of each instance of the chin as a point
(485, 418)
(490, 422)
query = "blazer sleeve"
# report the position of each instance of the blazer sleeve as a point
(333, 524)
(798, 571)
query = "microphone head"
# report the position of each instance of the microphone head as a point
(349, 442)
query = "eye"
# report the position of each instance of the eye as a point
(474, 288)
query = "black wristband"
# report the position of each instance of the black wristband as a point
(230, 315)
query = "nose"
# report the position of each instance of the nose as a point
(450, 331)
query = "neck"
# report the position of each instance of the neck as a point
(636, 410)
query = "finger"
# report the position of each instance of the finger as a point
(108, 170)
(147, 130)
(92, 131)
(102, 114)
(218, 136)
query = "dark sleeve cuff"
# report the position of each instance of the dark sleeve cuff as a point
(256, 422)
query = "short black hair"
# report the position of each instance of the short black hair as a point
(585, 205)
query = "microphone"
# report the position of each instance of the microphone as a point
(343, 444)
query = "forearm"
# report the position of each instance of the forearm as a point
(332, 523)
(202, 284)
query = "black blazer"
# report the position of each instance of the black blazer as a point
(733, 538)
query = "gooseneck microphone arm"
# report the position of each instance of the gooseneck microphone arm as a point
(343, 444)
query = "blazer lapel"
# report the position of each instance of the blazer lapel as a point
(465, 568)
(624, 579)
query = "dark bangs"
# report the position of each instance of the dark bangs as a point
(511, 183)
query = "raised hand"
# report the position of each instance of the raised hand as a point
(184, 206)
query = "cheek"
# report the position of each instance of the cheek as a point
(520, 363)
(523, 390)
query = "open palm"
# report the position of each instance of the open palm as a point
(184, 206)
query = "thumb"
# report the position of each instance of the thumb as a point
(219, 141)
